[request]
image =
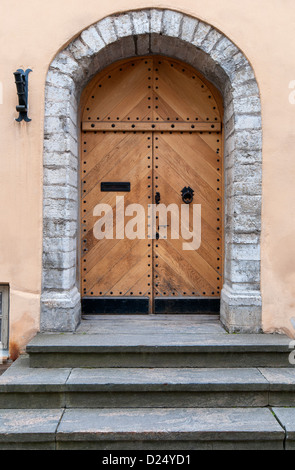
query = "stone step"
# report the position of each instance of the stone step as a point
(25, 387)
(166, 350)
(141, 429)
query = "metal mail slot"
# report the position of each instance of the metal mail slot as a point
(115, 187)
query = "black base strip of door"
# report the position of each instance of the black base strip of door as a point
(140, 305)
(188, 305)
(115, 305)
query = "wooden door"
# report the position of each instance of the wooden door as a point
(115, 266)
(184, 278)
(153, 124)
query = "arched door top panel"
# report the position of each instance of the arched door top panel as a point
(152, 90)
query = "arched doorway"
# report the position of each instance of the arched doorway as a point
(177, 35)
(151, 135)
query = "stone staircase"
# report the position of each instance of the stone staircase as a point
(150, 383)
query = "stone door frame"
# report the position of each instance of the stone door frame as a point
(176, 35)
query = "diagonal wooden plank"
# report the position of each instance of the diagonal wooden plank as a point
(191, 157)
(170, 164)
(189, 274)
(172, 195)
(190, 96)
(136, 279)
(125, 154)
(102, 146)
(142, 287)
(134, 175)
(168, 281)
(99, 249)
(115, 88)
(119, 262)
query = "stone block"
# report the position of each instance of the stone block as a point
(210, 41)
(59, 259)
(123, 25)
(249, 88)
(201, 32)
(171, 23)
(248, 105)
(65, 63)
(107, 30)
(156, 21)
(248, 140)
(141, 22)
(142, 45)
(92, 39)
(247, 121)
(247, 252)
(56, 159)
(244, 74)
(80, 51)
(61, 279)
(60, 209)
(60, 311)
(60, 143)
(240, 312)
(64, 229)
(54, 244)
(188, 29)
(54, 94)
(246, 205)
(60, 176)
(59, 79)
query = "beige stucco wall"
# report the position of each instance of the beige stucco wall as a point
(32, 32)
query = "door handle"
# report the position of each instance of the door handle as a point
(187, 195)
(157, 198)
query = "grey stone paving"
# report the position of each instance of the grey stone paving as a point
(140, 428)
(55, 342)
(206, 424)
(286, 417)
(151, 324)
(149, 407)
(36, 425)
(157, 342)
(282, 379)
(19, 376)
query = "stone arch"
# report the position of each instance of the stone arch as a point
(136, 33)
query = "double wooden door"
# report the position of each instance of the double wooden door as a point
(151, 191)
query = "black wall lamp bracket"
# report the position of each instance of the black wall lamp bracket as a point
(21, 81)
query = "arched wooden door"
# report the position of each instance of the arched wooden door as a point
(151, 128)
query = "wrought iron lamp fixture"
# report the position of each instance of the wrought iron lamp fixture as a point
(21, 81)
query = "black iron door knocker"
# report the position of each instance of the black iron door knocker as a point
(187, 195)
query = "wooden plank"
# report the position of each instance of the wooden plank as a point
(185, 92)
(118, 92)
(189, 275)
(171, 166)
(192, 126)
